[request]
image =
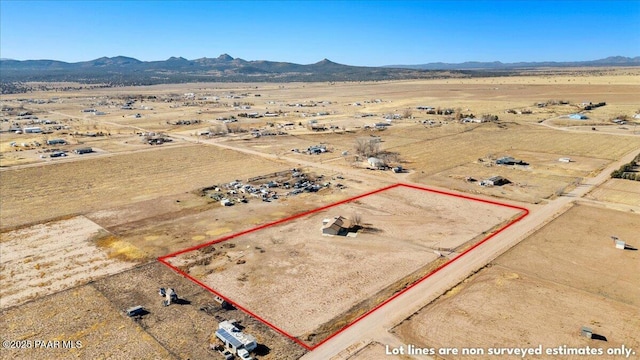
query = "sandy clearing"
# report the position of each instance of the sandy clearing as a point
(576, 250)
(47, 258)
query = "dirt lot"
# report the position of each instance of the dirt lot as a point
(35, 194)
(196, 314)
(46, 258)
(272, 264)
(566, 275)
(171, 223)
(94, 315)
(576, 250)
(618, 191)
(78, 314)
(544, 177)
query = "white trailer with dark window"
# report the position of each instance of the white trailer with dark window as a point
(235, 340)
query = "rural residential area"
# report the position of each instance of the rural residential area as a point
(220, 208)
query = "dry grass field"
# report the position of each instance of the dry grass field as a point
(488, 139)
(435, 155)
(618, 191)
(402, 227)
(35, 194)
(576, 250)
(566, 275)
(544, 177)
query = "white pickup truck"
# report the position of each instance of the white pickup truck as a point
(244, 354)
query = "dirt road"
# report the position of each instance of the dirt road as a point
(296, 162)
(376, 325)
(600, 129)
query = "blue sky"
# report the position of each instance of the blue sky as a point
(368, 33)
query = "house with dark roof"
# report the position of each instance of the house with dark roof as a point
(495, 181)
(336, 226)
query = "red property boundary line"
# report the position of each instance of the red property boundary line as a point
(163, 259)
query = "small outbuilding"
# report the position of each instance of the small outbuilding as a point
(136, 311)
(376, 163)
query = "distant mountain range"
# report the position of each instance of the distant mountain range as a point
(130, 71)
(121, 70)
(497, 65)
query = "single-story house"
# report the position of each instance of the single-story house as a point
(336, 226)
(495, 181)
(316, 149)
(32, 130)
(83, 151)
(56, 142)
(508, 160)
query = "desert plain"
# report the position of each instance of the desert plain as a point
(81, 233)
